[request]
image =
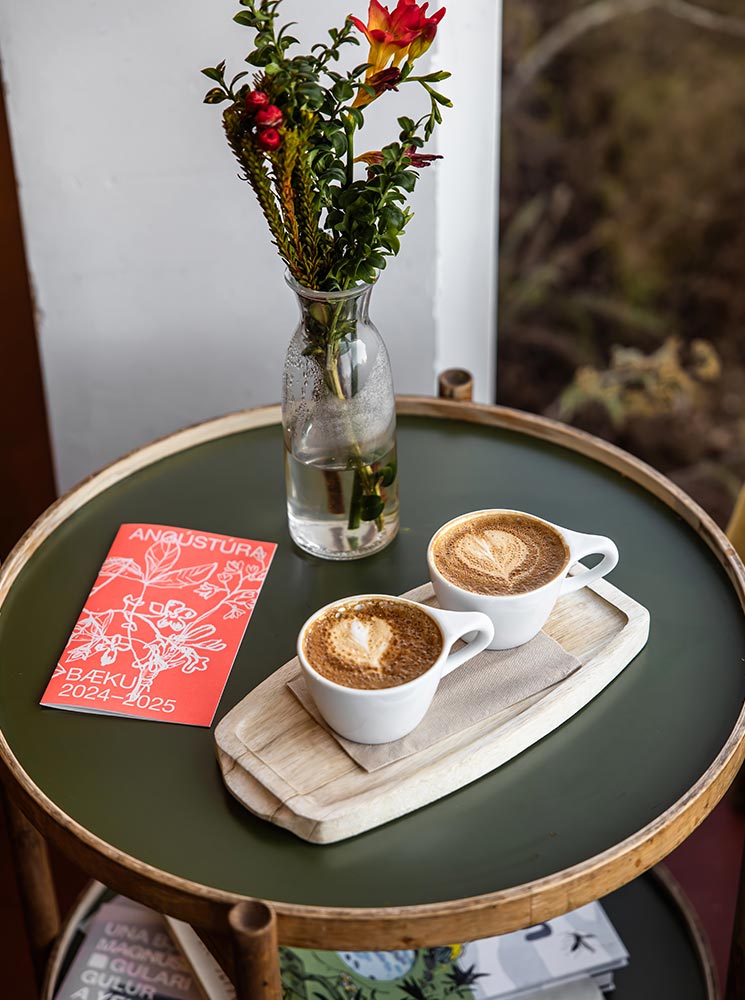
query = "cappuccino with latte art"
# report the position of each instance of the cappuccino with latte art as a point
(373, 643)
(513, 567)
(500, 552)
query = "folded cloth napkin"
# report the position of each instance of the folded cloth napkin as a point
(483, 688)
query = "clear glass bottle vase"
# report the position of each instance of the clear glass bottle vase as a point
(339, 424)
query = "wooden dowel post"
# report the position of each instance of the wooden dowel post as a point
(35, 886)
(254, 927)
(455, 383)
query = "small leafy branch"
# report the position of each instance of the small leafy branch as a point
(293, 131)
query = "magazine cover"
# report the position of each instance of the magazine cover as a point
(580, 943)
(127, 952)
(161, 627)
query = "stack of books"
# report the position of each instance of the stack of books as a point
(128, 950)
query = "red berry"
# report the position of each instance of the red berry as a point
(268, 139)
(269, 117)
(256, 99)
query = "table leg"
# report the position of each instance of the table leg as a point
(36, 887)
(254, 928)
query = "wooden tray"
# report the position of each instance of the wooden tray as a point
(284, 767)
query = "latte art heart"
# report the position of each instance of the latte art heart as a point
(373, 642)
(497, 552)
(362, 643)
(500, 552)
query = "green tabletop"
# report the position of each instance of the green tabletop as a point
(154, 790)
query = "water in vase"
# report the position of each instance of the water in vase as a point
(343, 510)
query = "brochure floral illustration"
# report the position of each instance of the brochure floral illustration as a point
(161, 628)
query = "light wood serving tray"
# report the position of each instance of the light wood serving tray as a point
(279, 763)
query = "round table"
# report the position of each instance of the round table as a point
(142, 807)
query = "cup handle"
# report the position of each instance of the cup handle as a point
(457, 625)
(588, 545)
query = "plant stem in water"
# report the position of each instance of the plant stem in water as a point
(365, 481)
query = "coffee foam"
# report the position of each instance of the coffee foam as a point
(362, 642)
(372, 643)
(500, 553)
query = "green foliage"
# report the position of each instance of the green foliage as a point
(668, 381)
(622, 197)
(332, 228)
(366, 218)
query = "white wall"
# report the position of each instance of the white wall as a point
(161, 301)
(466, 197)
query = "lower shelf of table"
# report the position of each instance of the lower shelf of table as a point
(668, 956)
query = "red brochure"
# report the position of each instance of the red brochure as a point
(162, 625)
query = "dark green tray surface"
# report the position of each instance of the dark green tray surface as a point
(154, 790)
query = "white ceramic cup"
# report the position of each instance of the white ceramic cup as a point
(517, 618)
(384, 714)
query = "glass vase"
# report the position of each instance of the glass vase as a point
(339, 424)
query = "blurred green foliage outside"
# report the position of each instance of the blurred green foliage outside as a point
(622, 256)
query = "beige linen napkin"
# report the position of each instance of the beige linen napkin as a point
(481, 689)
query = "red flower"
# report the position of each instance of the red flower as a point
(256, 99)
(268, 139)
(268, 117)
(386, 79)
(406, 31)
(421, 159)
(375, 158)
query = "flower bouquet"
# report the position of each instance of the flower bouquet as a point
(335, 215)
